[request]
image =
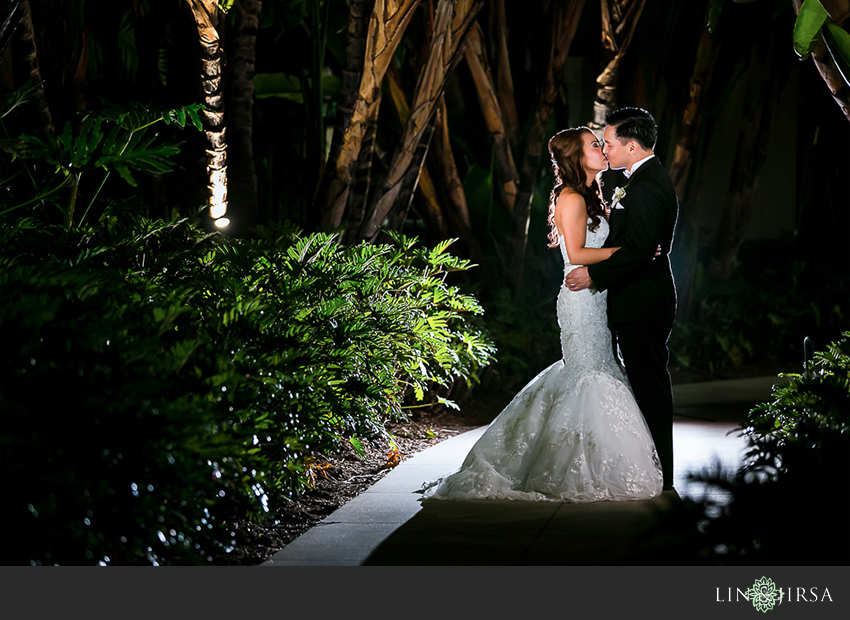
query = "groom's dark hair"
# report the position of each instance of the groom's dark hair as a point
(634, 124)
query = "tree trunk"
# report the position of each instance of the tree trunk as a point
(619, 20)
(205, 13)
(427, 192)
(426, 197)
(43, 121)
(444, 160)
(504, 77)
(707, 53)
(453, 20)
(456, 209)
(476, 58)
(352, 74)
(10, 23)
(361, 183)
(242, 177)
(415, 174)
(565, 24)
(686, 232)
(839, 11)
(764, 85)
(387, 24)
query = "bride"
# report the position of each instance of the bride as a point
(574, 433)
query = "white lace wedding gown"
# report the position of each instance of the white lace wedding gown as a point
(575, 432)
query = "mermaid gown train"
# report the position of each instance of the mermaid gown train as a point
(575, 432)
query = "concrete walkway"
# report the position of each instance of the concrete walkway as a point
(387, 525)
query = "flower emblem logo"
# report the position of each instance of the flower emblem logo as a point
(764, 594)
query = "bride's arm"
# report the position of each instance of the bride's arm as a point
(571, 221)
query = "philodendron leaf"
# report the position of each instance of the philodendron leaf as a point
(190, 112)
(139, 116)
(447, 402)
(810, 20)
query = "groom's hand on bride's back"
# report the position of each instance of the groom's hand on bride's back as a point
(578, 279)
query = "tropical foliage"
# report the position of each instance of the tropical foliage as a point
(110, 140)
(156, 372)
(157, 377)
(789, 504)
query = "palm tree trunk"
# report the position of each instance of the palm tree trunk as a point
(619, 20)
(453, 20)
(387, 24)
(242, 176)
(565, 24)
(205, 13)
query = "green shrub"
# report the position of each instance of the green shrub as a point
(155, 377)
(791, 500)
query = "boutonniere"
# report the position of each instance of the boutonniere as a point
(619, 194)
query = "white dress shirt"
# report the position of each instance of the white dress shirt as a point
(637, 165)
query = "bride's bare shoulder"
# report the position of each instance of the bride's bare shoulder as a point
(571, 200)
(570, 205)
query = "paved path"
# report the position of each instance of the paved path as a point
(387, 525)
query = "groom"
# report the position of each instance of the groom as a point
(641, 293)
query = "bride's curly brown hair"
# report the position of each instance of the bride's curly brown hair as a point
(566, 150)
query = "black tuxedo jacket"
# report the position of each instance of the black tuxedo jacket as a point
(640, 290)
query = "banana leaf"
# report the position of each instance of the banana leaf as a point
(838, 43)
(809, 22)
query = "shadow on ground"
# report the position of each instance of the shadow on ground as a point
(506, 533)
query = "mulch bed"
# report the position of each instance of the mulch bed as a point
(341, 478)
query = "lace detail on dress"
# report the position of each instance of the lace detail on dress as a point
(574, 433)
(582, 317)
